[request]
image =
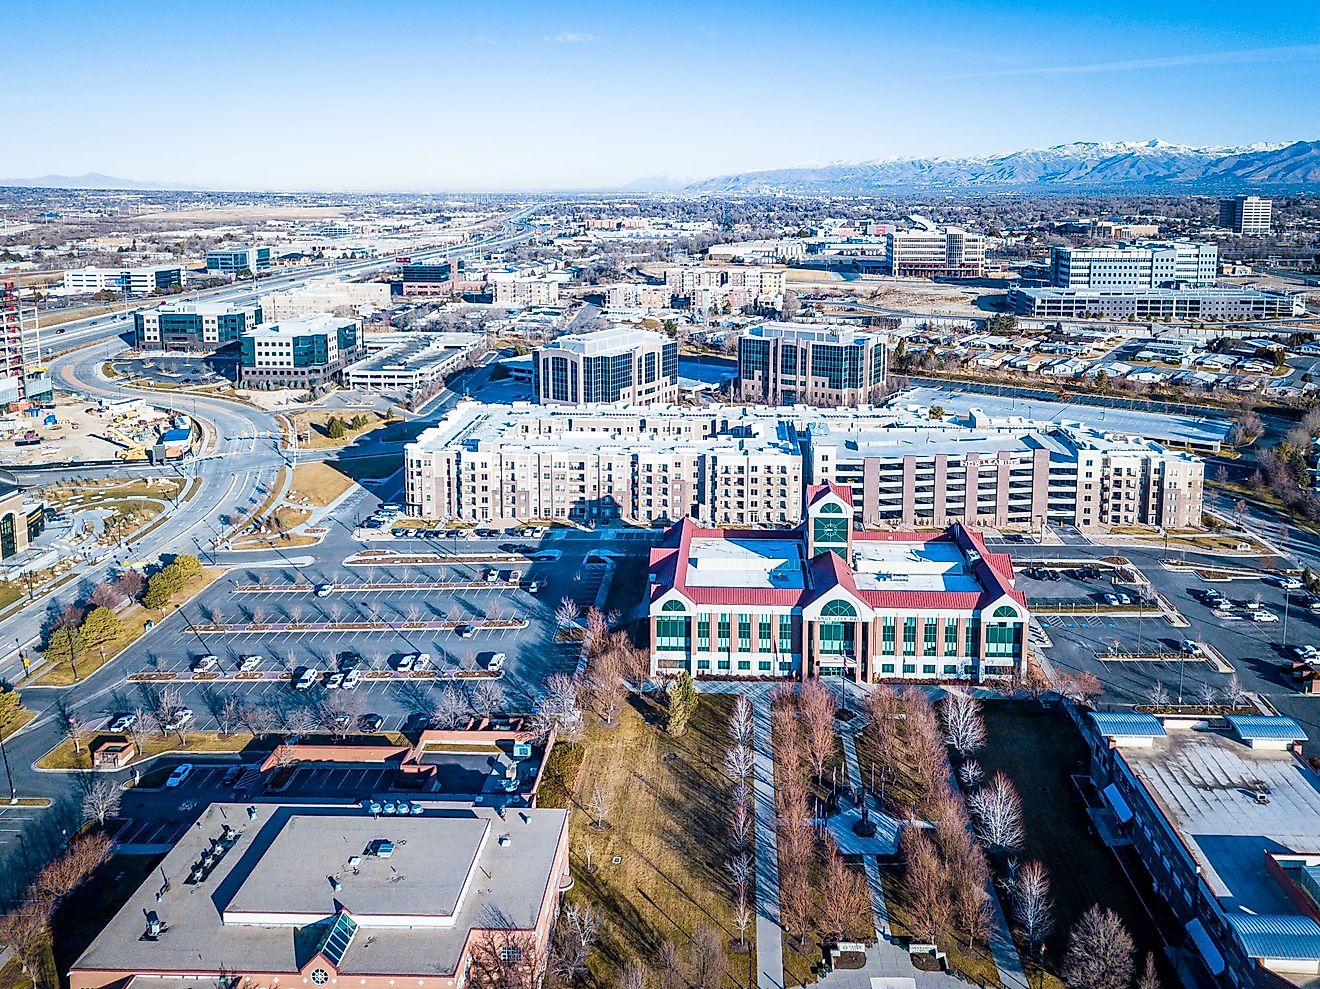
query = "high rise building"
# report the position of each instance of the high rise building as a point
(791, 363)
(1136, 265)
(618, 365)
(22, 378)
(1246, 214)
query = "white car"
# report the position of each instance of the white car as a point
(123, 722)
(535, 586)
(333, 681)
(515, 576)
(206, 664)
(1111, 600)
(495, 662)
(1228, 616)
(325, 590)
(180, 774)
(250, 663)
(351, 679)
(405, 663)
(421, 661)
(1264, 616)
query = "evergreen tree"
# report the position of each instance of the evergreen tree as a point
(682, 704)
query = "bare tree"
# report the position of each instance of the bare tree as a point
(169, 709)
(670, 965)
(740, 762)
(744, 915)
(740, 825)
(560, 710)
(997, 810)
(1149, 978)
(606, 684)
(1099, 954)
(451, 708)
(488, 697)
(1234, 695)
(970, 774)
(741, 722)
(70, 726)
(26, 929)
(596, 630)
(229, 715)
(1033, 906)
(846, 897)
(1158, 694)
(101, 800)
(1207, 694)
(508, 959)
(964, 727)
(708, 963)
(567, 612)
(576, 938)
(925, 886)
(817, 708)
(599, 806)
(970, 891)
(634, 976)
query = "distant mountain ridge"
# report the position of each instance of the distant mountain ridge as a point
(1078, 167)
(92, 180)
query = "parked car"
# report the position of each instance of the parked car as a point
(370, 723)
(487, 533)
(232, 774)
(123, 722)
(250, 662)
(349, 661)
(333, 681)
(1111, 599)
(404, 664)
(304, 678)
(324, 590)
(495, 662)
(392, 508)
(182, 717)
(351, 679)
(535, 586)
(1228, 616)
(1306, 651)
(180, 774)
(515, 576)
(421, 661)
(1286, 581)
(1124, 597)
(466, 631)
(1264, 616)
(491, 575)
(206, 664)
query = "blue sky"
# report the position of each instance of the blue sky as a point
(432, 94)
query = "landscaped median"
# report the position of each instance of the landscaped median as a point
(444, 625)
(75, 754)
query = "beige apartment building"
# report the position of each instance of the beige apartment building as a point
(618, 365)
(739, 286)
(811, 364)
(529, 290)
(748, 466)
(635, 295)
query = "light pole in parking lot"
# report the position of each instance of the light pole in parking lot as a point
(9, 777)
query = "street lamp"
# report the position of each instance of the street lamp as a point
(9, 777)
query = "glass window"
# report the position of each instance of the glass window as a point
(928, 638)
(909, 667)
(785, 633)
(886, 667)
(744, 633)
(909, 636)
(928, 669)
(723, 629)
(671, 634)
(950, 636)
(887, 630)
(703, 633)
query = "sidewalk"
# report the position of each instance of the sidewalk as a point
(769, 935)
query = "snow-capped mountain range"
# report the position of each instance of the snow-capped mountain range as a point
(1083, 166)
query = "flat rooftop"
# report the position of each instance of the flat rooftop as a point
(615, 340)
(448, 872)
(735, 562)
(1206, 784)
(883, 565)
(296, 326)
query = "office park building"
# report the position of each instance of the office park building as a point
(194, 326)
(301, 352)
(750, 466)
(618, 365)
(811, 364)
(823, 599)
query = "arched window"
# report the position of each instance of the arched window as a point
(838, 609)
(830, 509)
(1004, 611)
(673, 606)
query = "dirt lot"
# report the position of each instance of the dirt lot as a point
(75, 435)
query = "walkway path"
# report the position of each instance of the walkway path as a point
(769, 935)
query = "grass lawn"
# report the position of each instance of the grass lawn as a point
(369, 468)
(9, 593)
(286, 517)
(315, 424)
(319, 483)
(63, 755)
(668, 827)
(1039, 752)
(132, 619)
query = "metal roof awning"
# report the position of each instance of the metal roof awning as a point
(1214, 961)
(1120, 806)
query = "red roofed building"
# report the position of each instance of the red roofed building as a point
(824, 599)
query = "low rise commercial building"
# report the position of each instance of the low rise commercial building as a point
(784, 250)
(930, 251)
(1246, 214)
(411, 362)
(1156, 304)
(127, 281)
(234, 259)
(268, 894)
(738, 287)
(748, 466)
(1138, 265)
(824, 599)
(811, 364)
(618, 365)
(430, 278)
(22, 518)
(195, 325)
(301, 352)
(1224, 816)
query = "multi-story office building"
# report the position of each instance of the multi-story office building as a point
(327, 295)
(811, 364)
(738, 286)
(231, 259)
(411, 362)
(127, 281)
(1246, 214)
(430, 278)
(824, 599)
(618, 365)
(748, 467)
(269, 894)
(1155, 303)
(928, 251)
(1222, 815)
(1145, 265)
(301, 352)
(194, 326)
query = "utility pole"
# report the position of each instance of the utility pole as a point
(9, 777)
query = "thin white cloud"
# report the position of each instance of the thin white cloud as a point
(571, 38)
(1241, 57)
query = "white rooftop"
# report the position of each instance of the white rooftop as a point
(764, 563)
(883, 565)
(296, 326)
(615, 340)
